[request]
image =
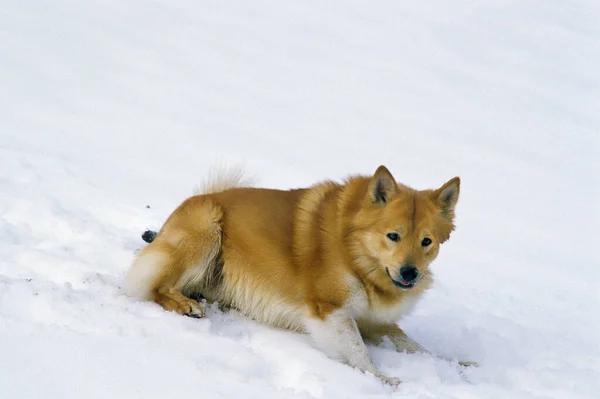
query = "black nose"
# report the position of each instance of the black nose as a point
(409, 273)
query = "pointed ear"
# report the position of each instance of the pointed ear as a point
(446, 197)
(382, 186)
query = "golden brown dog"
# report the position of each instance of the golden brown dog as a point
(341, 262)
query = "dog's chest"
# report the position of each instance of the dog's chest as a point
(377, 311)
(383, 313)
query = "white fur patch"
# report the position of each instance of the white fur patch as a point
(142, 274)
(277, 313)
(339, 338)
(391, 314)
(254, 301)
(358, 303)
(359, 308)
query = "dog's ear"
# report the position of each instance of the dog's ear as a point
(446, 197)
(382, 186)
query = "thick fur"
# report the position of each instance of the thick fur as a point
(318, 260)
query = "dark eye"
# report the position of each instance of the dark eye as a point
(426, 242)
(394, 237)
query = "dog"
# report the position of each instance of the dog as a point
(340, 261)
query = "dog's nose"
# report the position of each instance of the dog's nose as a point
(409, 273)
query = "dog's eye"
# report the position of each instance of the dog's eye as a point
(426, 242)
(394, 237)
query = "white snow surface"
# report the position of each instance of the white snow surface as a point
(108, 106)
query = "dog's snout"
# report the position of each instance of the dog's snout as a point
(409, 273)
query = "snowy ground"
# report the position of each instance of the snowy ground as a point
(108, 106)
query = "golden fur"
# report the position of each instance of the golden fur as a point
(316, 260)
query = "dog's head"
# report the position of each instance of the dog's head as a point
(401, 229)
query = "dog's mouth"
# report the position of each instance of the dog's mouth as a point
(405, 285)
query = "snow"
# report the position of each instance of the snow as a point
(109, 106)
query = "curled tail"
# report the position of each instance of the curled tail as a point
(220, 178)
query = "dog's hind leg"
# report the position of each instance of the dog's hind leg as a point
(182, 258)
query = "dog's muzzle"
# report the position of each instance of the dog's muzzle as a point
(407, 277)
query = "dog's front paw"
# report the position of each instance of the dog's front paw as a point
(393, 381)
(468, 364)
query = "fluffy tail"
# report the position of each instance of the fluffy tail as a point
(220, 178)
